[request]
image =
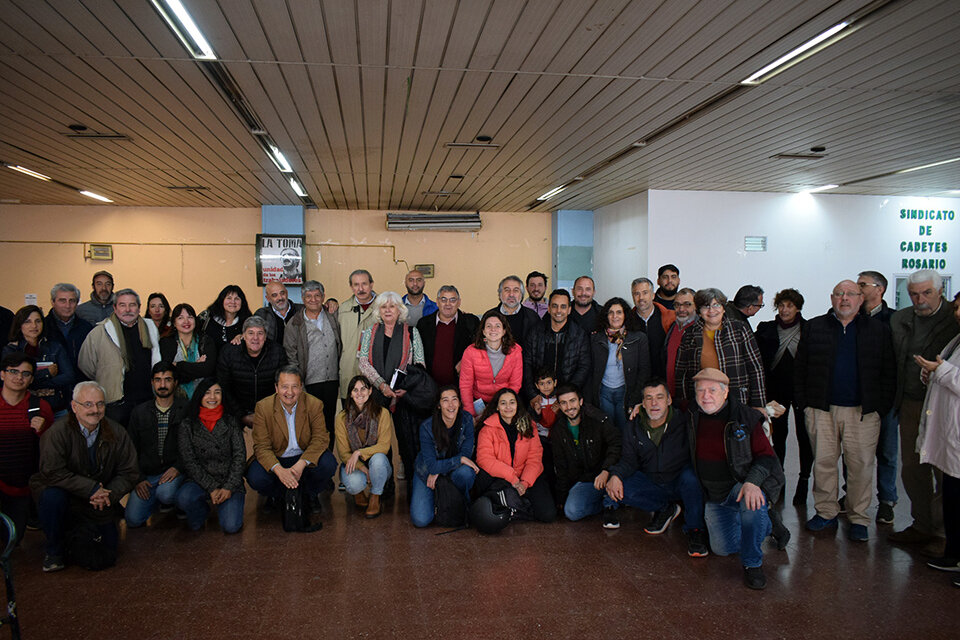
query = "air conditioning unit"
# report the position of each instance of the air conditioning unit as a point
(434, 221)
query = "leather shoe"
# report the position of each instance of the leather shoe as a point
(360, 500)
(373, 508)
(910, 535)
(800, 497)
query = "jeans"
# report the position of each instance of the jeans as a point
(611, 403)
(422, 501)
(314, 478)
(195, 502)
(138, 509)
(640, 492)
(53, 511)
(734, 528)
(887, 448)
(583, 500)
(380, 471)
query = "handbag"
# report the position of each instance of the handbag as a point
(450, 503)
(421, 389)
(295, 516)
(86, 547)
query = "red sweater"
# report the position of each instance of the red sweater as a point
(19, 445)
(493, 454)
(477, 379)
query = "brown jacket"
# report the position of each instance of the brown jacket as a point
(270, 435)
(65, 462)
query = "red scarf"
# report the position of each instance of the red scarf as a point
(209, 417)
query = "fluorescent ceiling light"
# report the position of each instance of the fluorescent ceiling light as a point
(186, 29)
(825, 187)
(95, 196)
(785, 62)
(25, 171)
(297, 188)
(552, 192)
(927, 166)
(279, 160)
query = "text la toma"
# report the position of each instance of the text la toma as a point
(280, 243)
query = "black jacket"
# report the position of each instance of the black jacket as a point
(599, 449)
(71, 342)
(276, 326)
(587, 321)
(636, 367)
(463, 335)
(883, 315)
(660, 463)
(813, 367)
(245, 380)
(572, 368)
(763, 471)
(522, 324)
(187, 371)
(143, 432)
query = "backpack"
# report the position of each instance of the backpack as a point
(295, 516)
(450, 503)
(86, 547)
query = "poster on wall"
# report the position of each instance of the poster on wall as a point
(280, 259)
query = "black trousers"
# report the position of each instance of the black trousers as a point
(326, 392)
(541, 502)
(951, 515)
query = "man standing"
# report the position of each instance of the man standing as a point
(291, 444)
(101, 302)
(654, 471)
(417, 302)
(119, 353)
(844, 379)
(686, 313)
(668, 281)
(246, 370)
(738, 469)
(153, 430)
(62, 323)
(312, 342)
(923, 329)
(873, 286)
(746, 304)
(87, 465)
(278, 311)
(445, 334)
(521, 319)
(586, 445)
(536, 290)
(585, 309)
(655, 320)
(354, 317)
(558, 345)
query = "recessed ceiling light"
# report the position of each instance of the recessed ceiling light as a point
(95, 196)
(182, 24)
(77, 127)
(297, 189)
(552, 192)
(280, 160)
(28, 172)
(802, 52)
(818, 149)
(825, 187)
(927, 166)
(483, 138)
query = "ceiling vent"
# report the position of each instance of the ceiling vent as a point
(434, 221)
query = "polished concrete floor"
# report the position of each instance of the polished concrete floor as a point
(383, 578)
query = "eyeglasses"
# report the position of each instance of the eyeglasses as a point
(19, 373)
(90, 405)
(758, 306)
(846, 294)
(445, 300)
(867, 284)
(713, 306)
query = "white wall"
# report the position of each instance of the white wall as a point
(813, 241)
(620, 251)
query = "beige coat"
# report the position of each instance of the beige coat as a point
(100, 357)
(351, 326)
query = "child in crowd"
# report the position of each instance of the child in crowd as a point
(544, 415)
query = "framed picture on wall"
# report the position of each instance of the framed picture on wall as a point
(280, 258)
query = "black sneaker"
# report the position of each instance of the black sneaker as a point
(885, 513)
(662, 519)
(781, 535)
(610, 518)
(945, 564)
(753, 577)
(697, 543)
(52, 563)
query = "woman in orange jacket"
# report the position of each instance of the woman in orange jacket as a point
(510, 455)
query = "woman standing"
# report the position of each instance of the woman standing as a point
(54, 376)
(778, 340)
(213, 456)
(446, 449)
(158, 310)
(940, 440)
(187, 351)
(494, 361)
(621, 363)
(364, 433)
(509, 455)
(225, 316)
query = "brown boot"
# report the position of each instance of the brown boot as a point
(373, 509)
(360, 500)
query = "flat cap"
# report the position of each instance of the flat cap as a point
(712, 375)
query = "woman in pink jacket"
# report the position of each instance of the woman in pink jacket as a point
(493, 362)
(510, 455)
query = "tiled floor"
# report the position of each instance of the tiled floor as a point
(383, 578)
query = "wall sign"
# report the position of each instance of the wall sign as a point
(925, 251)
(280, 259)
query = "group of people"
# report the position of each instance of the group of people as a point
(545, 404)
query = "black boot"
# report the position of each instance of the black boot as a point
(800, 497)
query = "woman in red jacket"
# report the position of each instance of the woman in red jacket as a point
(493, 362)
(509, 455)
